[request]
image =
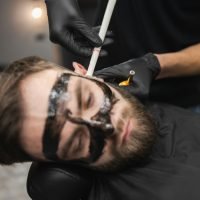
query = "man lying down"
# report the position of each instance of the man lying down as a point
(51, 114)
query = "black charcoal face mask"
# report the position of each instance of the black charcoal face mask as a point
(100, 126)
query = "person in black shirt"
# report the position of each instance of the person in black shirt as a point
(168, 29)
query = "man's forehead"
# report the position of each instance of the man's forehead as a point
(35, 90)
(73, 86)
(37, 87)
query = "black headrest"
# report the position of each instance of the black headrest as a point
(50, 181)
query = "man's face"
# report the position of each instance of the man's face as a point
(77, 122)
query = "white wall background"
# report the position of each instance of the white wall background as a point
(17, 39)
(13, 182)
(18, 31)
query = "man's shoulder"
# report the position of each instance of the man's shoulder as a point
(178, 131)
(163, 110)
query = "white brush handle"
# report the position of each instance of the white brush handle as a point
(102, 34)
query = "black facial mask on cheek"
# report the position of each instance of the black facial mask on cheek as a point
(99, 126)
(54, 126)
(97, 137)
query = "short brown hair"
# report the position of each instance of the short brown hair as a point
(10, 106)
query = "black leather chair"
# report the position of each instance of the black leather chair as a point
(50, 181)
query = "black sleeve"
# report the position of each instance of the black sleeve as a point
(58, 182)
(184, 91)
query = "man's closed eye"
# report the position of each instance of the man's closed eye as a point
(90, 101)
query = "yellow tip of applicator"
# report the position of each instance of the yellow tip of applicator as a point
(129, 80)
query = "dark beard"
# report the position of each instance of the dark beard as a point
(137, 151)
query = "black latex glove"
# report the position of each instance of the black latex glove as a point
(68, 28)
(146, 69)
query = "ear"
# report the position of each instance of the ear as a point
(79, 69)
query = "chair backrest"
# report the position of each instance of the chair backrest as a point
(50, 181)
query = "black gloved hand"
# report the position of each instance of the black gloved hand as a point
(68, 28)
(146, 69)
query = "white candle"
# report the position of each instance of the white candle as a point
(102, 34)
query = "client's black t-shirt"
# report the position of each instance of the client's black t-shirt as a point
(174, 169)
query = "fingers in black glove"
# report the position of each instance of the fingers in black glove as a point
(146, 69)
(67, 26)
(109, 40)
